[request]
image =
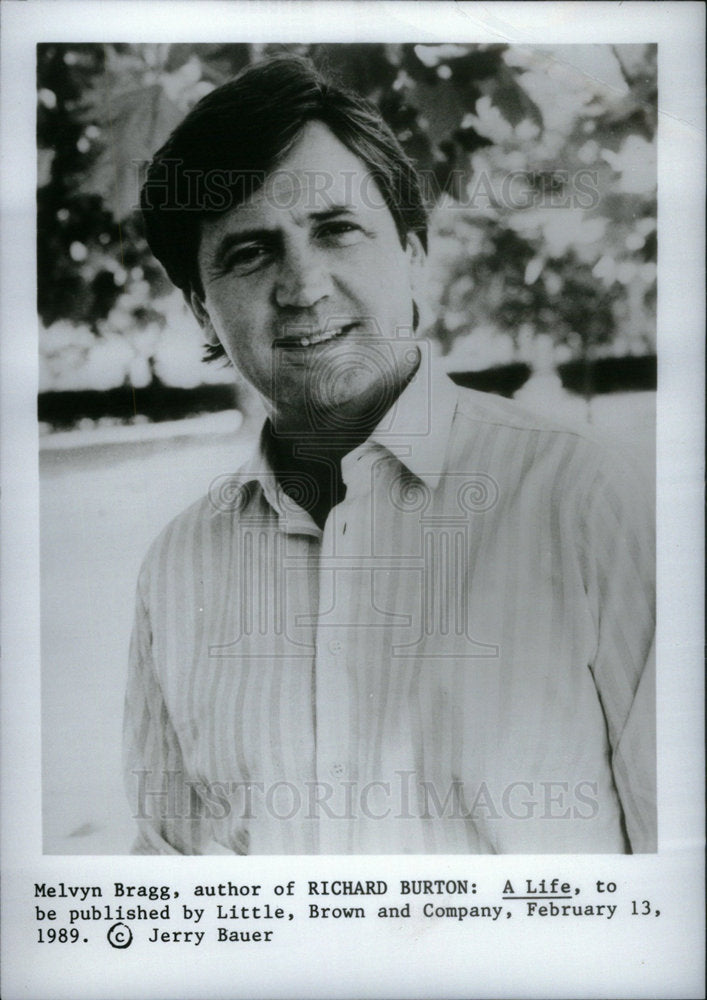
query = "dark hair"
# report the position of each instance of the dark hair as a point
(221, 152)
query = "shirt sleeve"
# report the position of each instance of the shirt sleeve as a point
(619, 560)
(168, 812)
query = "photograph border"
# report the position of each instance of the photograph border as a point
(645, 962)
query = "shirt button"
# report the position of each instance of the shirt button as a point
(336, 770)
(335, 646)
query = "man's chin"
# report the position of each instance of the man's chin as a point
(344, 413)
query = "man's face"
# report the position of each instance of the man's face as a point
(309, 290)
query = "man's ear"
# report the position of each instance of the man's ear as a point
(199, 309)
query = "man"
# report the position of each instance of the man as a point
(419, 620)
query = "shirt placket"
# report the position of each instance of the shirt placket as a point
(344, 547)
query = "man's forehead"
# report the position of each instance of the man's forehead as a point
(317, 174)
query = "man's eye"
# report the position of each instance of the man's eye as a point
(246, 258)
(341, 233)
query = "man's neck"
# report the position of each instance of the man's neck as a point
(307, 461)
(308, 470)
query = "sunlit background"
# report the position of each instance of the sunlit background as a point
(539, 166)
(540, 169)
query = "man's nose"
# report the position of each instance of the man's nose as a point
(303, 279)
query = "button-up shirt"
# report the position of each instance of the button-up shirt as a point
(459, 661)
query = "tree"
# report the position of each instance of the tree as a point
(538, 172)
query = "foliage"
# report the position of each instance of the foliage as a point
(539, 165)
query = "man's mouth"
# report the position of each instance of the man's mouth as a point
(311, 339)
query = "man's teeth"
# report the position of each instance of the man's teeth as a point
(319, 338)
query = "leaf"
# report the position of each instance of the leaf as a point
(510, 98)
(441, 106)
(135, 124)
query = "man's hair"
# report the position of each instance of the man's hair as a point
(222, 151)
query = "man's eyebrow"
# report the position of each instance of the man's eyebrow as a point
(332, 212)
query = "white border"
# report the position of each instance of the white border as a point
(662, 958)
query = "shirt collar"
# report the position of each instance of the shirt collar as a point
(417, 426)
(415, 430)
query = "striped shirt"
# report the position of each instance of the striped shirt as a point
(459, 662)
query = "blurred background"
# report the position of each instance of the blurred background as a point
(539, 167)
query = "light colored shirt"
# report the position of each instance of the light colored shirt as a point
(459, 662)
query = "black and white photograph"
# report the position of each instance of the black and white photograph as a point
(418, 617)
(354, 418)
